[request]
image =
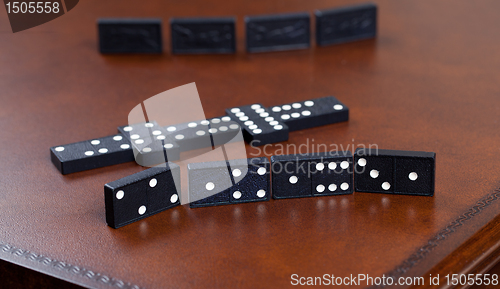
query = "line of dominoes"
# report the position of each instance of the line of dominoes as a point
(149, 142)
(249, 180)
(218, 35)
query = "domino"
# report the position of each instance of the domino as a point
(191, 136)
(203, 35)
(255, 185)
(91, 154)
(308, 175)
(119, 35)
(205, 133)
(235, 181)
(290, 177)
(331, 173)
(143, 194)
(394, 172)
(224, 130)
(208, 184)
(311, 113)
(259, 127)
(151, 144)
(346, 24)
(277, 32)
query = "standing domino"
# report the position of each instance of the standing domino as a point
(235, 181)
(315, 174)
(277, 32)
(203, 35)
(396, 172)
(142, 194)
(331, 173)
(346, 24)
(119, 35)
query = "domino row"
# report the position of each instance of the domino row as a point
(248, 180)
(218, 35)
(150, 144)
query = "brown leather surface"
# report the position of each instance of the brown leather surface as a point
(429, 82)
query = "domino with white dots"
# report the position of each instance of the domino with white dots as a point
(143, 194)
(203, 133)
(91, 154)
(255, 185)
(394, 172)
(258, 125)
(331, 173)
(224, 130)
(208, 184)
(191, 135)
(151, 144)
(310, 113)
(235, 181)
(315, 174)
(290, 177)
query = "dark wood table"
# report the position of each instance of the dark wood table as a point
(429, 82)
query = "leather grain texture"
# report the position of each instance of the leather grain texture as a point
(428, 82)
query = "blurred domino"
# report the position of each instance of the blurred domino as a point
(346, 24)
(277, 32)
(203, 35)
(121, 35)
(235, 181)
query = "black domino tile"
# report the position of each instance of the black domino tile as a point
(151, 143)
(111, 150)
(290, 176)
(254, 186)
(75, 157)
(396, 172)
(140, 195)
(224, 130)
(203, 35)
(346, 24)
(165, 194)
(331, 173)
(421, 164)
(310, 113)
(277, 32)
(258, 125)
(209, 184)
(121, 35)
(191, 135)
(239, 181)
